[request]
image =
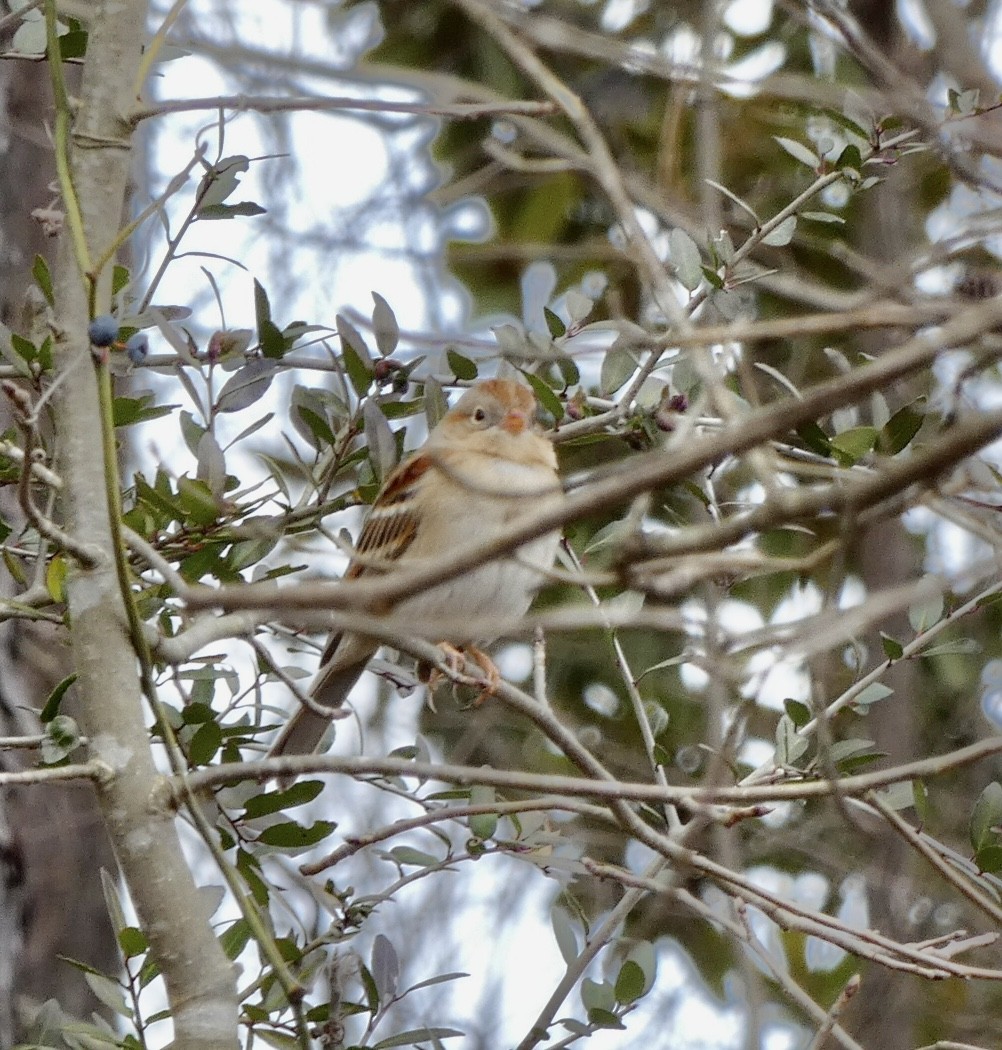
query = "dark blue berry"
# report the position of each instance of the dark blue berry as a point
(103, 330)
(137, 347)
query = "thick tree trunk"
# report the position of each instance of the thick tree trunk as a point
(52, 843)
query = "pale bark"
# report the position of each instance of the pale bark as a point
(199, 979)
(52, 843)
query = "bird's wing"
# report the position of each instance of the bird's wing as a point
(392, 522)
(388, 531)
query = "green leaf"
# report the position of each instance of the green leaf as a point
(380, 441)
(51, 708)
(416, 1036)
(249, 867)
(262, 306)
(893, 649)
(630, 983)
(13, 566)
(273, 343)
(545, 396)
(44, 359)
(23, 347)
(462, 367)
(597, 995)
(986, 815)
(925, 613)
(989, 859)
(685, 257)
(850, 157)
(642, 953)
(441, 978)
(132, 941)
(618, 366)
(407, 855)
(197, 501)
(564, 933)
(292, 835)
(851, 748)
(108, 992)
(898, 796)
(800, 714)
(127, 411)
(55, 578)
(299, 794)
(799, 151)
(959, 647)
(485, 824)
(205, 743)
(73, 44)
(318, 426)
(219, 181)
(789, 746)
(852, 445)
(899, 430)
(783, 233)
(435, 404)
(554, 325)
(40, 271)
(385, 966)
(191, 431)
(120, 279)
(872, 694)
(268, 334)
(815, 438)
(823, 216)
(231, 211)
(384, 325)
(605, 1019)
(235, 939)
(248, 384)
(713, 279)
(359, 372)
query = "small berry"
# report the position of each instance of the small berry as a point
(137, 347)
(385, 369)
(103, 330)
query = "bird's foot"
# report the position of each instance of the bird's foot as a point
(491, 673)
(455, 660)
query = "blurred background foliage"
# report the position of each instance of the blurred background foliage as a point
(690, 97)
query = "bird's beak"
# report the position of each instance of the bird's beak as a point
(515, 422)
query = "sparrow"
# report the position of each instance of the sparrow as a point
(483, 467)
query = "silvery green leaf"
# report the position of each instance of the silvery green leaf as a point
(211, 464)
(247, 385)
(579, 306)
(384, 325)
(685, 258)
(923, 614)
(617, 367)
(379, 439)
(511, 340)
(789, 744)
(798, 151)
(783, 233)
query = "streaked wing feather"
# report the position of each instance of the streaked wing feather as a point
(392, 523)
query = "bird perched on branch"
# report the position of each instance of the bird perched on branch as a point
(484, 466)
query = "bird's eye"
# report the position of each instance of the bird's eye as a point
(479, 415)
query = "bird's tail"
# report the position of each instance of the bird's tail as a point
(302, 734)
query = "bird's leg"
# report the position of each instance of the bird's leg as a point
(431, 675)
(454, 660)
(491, 673)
